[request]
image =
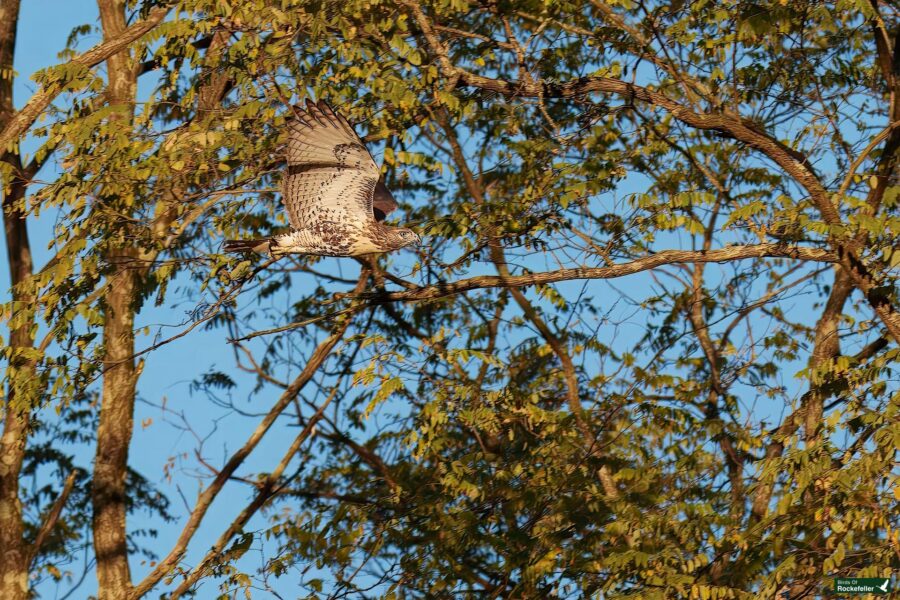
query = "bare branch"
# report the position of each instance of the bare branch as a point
(864, 155)
(666, 257)
(315, 361)
(52, 516)
(269, 487)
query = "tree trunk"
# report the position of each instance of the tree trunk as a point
(13, 553)
(21, 374)
(114, 437)
(119, 378)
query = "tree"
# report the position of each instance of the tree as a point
(643, 220)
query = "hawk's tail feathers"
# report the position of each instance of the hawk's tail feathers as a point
(261, 245)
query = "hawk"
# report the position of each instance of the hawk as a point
(333, 193)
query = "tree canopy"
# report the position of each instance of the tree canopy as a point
(648, 349)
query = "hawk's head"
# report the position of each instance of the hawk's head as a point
(404, 237)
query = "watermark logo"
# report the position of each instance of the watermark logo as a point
(862, 585)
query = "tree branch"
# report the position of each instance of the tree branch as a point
(666, 257)
(52, 517)
(23, 119)
(269, 487)
(791, 161)
(315, 361)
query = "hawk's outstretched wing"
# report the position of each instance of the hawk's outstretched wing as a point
(330, 176)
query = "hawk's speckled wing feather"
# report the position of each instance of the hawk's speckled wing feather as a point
(330, 176)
